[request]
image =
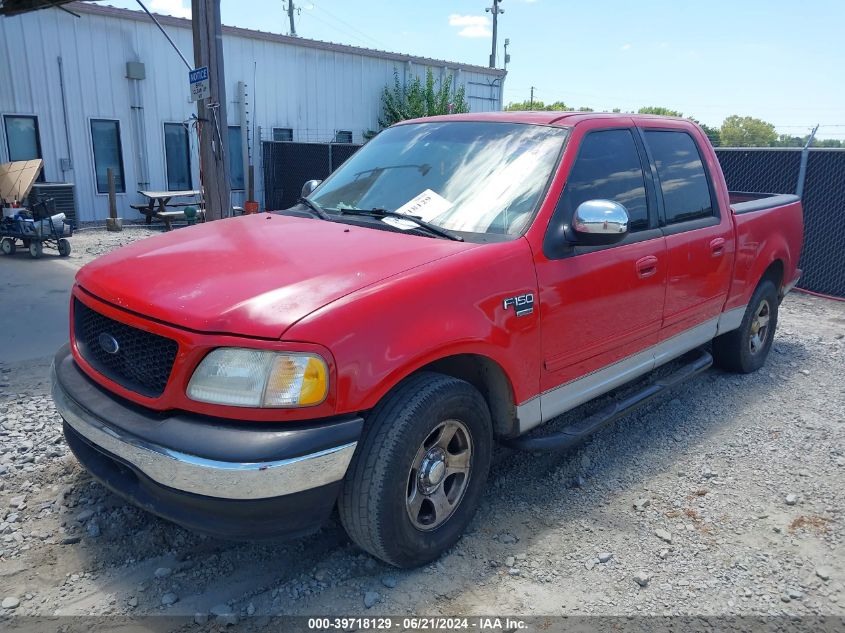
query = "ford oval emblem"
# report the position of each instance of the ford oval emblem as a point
(108, 343)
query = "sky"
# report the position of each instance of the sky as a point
(782, 61)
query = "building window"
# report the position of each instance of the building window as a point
(22, 139)
(236, 159)
(284, 134)
(105, 138)
(683, 181)
(177, 153)
(343, 136)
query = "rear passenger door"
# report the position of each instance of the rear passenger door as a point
(698, 239)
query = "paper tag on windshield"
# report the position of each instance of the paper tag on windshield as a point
(399, 223)
(426, 206)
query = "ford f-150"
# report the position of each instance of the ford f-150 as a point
(458, 282)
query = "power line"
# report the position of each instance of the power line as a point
(348, 25)
(338, 29)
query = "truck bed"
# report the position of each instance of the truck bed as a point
(746, 201)
(769, 227)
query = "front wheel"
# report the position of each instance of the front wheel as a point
(35, 249)
(419, 471)
(64, 247)
(744, 350)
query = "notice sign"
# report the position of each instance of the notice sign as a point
(200, 88)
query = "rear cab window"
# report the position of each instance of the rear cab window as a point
(683, 180)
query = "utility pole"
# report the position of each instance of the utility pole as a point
(291, 9)
(211, 112)
(531, 106)
(495, 10)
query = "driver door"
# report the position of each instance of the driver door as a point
(600, 306)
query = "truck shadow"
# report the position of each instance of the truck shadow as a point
(528, 496)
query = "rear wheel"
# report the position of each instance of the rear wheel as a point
(35, 249)
(8, 246)
(419, 471)
(745, 349)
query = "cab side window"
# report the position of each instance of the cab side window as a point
(608, 167)
(683, 181)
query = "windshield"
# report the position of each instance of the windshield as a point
(468, 176)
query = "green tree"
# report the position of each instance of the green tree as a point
(738, 131)
(418, 99)
(711, 132)
(660, 111)
(788, 140)
(537, 105)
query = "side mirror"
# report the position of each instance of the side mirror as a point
(600, 222)
(310, 186)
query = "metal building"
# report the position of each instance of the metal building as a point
(106, 90)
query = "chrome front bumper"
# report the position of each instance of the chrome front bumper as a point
(202, 476)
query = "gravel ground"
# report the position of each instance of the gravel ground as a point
(726, 498)
(92, 241)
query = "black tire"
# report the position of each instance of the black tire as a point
(64, 247)
(375, 503)
(8, 246)
(736, 351)
(36, 249)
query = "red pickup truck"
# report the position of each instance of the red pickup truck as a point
(459, 281)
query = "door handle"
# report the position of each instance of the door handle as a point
(646, 266)
(717, 247)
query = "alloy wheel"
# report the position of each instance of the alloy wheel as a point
(759, 327)
(439, 475)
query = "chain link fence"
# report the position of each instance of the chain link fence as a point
(287, 166)
(777, 171)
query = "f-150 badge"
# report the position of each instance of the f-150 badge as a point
(523, 305)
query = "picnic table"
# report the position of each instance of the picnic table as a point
(159, 201)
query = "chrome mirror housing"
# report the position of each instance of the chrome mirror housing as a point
(310, 186)
(596, 218)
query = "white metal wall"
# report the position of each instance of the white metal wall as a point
(313, 89)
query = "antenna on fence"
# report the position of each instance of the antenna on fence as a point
(805, 155)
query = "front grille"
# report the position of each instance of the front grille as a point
(141, 361)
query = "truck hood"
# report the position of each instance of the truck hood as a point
(253, 275)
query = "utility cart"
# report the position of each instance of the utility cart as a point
(36, 229)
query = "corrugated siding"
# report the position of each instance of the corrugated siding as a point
(311, 90)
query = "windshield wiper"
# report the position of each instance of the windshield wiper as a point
(384, 213)
(315, 208)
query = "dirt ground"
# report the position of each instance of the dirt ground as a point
(726, 498)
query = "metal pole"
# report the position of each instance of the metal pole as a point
(531, 105)
(68, 165)
(161, 28)
(495, 10)
(291, 9)
(805, 156)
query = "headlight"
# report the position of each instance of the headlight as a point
(256, 378)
